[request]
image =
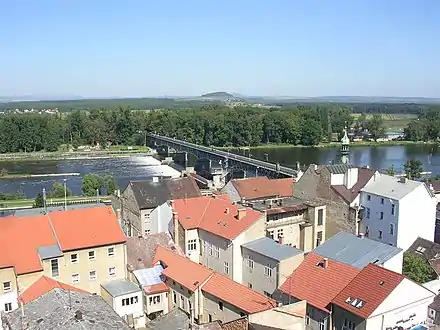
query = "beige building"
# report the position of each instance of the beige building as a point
(82, 247)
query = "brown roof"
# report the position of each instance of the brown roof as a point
(435, 185)
(214, 214)
(368, 290)
(317, 284)
(156, 288)
(140, 250)
(237, 294)
(263, 187)
(364, 175)
(239, 324)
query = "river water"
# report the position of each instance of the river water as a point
(135, 168)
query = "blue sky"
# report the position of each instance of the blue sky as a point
(128, 48)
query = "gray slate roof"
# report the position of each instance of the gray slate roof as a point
(355, 251)
(338, 168)
(51, 312)
(49, 252)
(391, 187)
(149, 194)
(118, 288)
(271, 249)
(176, 319)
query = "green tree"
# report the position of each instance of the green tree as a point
(391, 170)
(57, 191)
(413, 169)
(110, 184)
(39, 201)
(417, 269)
(375, 126)
(91, 183)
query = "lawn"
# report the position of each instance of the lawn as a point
(395, 122)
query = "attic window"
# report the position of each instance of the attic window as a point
(421, 249)
(355, 302)
(381, 283)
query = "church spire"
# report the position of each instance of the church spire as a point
(345, 150)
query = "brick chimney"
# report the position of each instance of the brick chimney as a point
(241, 213)
(175, 227)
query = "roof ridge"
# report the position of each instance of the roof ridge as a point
(53, 231)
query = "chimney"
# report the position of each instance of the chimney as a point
(403, 180)
(155, 179)
(176, 227)
(243, 200)
(227, 210)
(118, 214)
(241, 213)
(376, 176)
(361, 235)
(325, 263)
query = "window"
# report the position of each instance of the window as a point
(250, 285)
(368, 213)
(380, 234)
(8, 307)
(349, 324)
(154, 300)
(112, 271)
(250, 262)
(147, 232)
(209, 248)
(320, 217)
(192, 245)
(216, 252)
(209, 318)
(174, 297)
(54, 268)
(75, 278)
(368, 197)
(382, 201)
(182, 302)
(91, 255)
(367, 231)
(111, 251)
(220, 305)
(318, 238)
(381, 215)
(201, 247)
(307, 320)
(268, 270)
(280, 233)
(271, 235)
(6, 286)
(74, 258)
(391, 229)
(321, 325)
(226, 268)
(420, 249)
(92, 275)
(134, 300)
(129, 301)
(393, 209)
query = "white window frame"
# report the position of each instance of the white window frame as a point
(7, 286)
(268, 270)
(216, 252)
(75, 278)
(74, 260)
(8, 307)
(192, 245)
(112, 253)
(58, 268)
(368, 213)
(93, 278)
(110, 273)
(211, 251)
(92, 255)
(250, 262)
(226, 267)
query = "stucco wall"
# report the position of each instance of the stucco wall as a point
(130, 212)
(208, 257)
(211, 307)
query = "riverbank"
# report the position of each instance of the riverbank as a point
(24, 203)
(334, 145)
(33, 176)
(56, 155)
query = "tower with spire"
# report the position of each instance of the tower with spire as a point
(345, 148)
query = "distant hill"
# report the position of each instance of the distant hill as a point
(217, 95)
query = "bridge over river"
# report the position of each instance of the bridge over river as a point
(226, 159)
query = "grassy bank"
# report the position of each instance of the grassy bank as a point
(50, 201)
(23, 156)
(333, 145)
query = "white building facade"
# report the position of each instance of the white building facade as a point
(397, 211)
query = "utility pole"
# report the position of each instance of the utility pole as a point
(44, 200)
(65, 194)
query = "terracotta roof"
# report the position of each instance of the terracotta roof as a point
(42, 286)
(84, 228)
(238, 324)
(263, 187)
(24, 236)
(368, 290)
(237, 294)
(156, 288)
(215, 215)
(349, 195)
(317, 284)
(180, 269)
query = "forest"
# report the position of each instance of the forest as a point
(211, 125)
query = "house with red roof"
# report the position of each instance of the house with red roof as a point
(82, 248)
(379, 299)
(212, 229)
(205, 295)
(317, 280)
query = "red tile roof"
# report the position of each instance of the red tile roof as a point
(180, 269)
(316, 284)
(263, 187)
(42, 286)
(23, 236)
(88, 227)
(156, 288)
(215, 215)
(237, 294)
(72, 229)
(368, 290)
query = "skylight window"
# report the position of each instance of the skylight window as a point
(355, 302)
(421, 249)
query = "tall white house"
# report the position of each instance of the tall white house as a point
(397, 210)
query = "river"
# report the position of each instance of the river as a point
(135, 168)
